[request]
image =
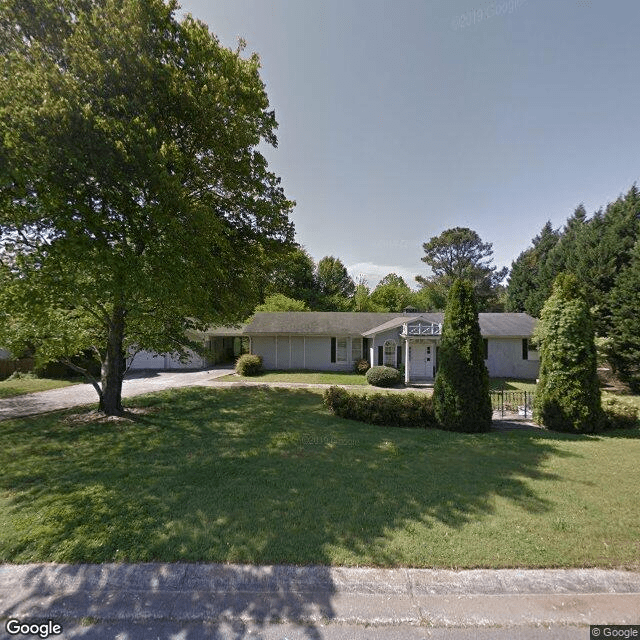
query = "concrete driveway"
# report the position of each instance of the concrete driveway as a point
(137, 383)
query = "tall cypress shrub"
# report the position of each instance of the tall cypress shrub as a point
(568, 394)
(461, 393)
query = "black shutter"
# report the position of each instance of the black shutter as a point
(380, 355)
(333, 349)
(485, 346)
(399, 355)
(365, 349)
(525, 349)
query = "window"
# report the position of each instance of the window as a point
(341, 349)
(389, 353)
(356, 349)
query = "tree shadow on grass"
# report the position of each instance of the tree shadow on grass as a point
(259, 476)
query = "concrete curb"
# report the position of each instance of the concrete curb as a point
(319, 595)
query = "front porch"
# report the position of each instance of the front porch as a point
(421, 346)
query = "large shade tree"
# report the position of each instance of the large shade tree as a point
(334, 286)
(459, 253)
(134, 203)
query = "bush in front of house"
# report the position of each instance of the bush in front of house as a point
(461, 391)
(383, 377)
(249, 365)
(619, 415)
(413, 410)
(362, 366)
(568, 395)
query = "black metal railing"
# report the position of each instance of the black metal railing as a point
(511, 403)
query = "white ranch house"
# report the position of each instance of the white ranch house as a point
(334, 341)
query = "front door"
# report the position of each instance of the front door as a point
(421, 360)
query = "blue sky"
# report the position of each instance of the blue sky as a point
(402, 118)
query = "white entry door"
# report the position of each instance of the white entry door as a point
(421, 360)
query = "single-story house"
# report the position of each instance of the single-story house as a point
(334, 341)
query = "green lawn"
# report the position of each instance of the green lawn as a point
(340, 378)
(259, 475)
(20, 386)
(511, 384)
(309, 377)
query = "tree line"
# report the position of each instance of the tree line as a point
(295, 283)
(603, 253)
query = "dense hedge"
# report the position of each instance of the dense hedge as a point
(249, 365)
(619, 415)
(383, 377)
(385, 409)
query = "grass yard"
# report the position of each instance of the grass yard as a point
(309, 377)
(20, 386)
(510, 384)
(259, 475)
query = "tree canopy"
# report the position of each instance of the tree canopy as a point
(459, 253)
(334, 285)
(134, 203)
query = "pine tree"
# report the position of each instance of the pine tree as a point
(568, 394)
(461, 392)
(524, 280)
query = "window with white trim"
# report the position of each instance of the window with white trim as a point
(389, 353)
(356, 349)
(341, 349)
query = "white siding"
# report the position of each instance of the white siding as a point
(194, 362)
(505, 360)
(150, 360)
(297, 352)
(265, 346)
(147, 360)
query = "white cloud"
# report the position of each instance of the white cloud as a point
(373, 273)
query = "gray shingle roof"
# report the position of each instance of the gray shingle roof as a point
(339, 323)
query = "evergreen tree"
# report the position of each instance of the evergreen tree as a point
(603, 251)
(625, 320)
(524, 280)
(568, 394)
(562, 257)
(461, 393)
(460, 253)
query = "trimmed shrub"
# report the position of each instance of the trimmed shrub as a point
(22, 375)
(461, 391)
(362, 366)
(385, 409)
(568, 395)
(249, 365)
(383, 377)
(619, 415)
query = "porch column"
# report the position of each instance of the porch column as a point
(407, 361)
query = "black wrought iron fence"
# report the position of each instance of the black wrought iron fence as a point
(511, 404)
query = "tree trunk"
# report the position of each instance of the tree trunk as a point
(113, 366)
